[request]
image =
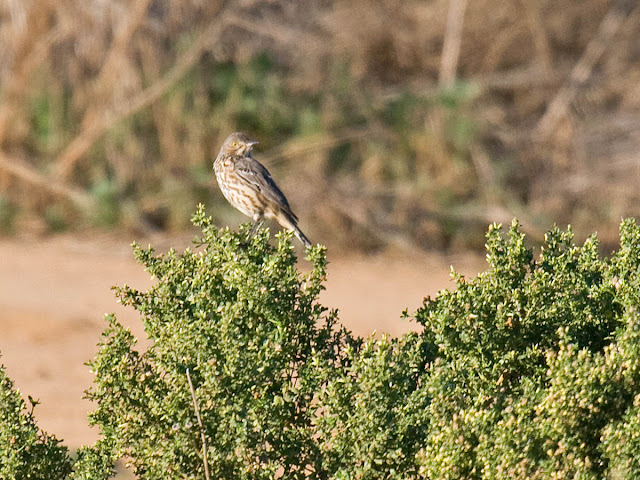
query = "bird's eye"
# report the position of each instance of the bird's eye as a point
(234, 144)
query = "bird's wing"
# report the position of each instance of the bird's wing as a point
(254, 173)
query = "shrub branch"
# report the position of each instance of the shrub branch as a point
(202, 436)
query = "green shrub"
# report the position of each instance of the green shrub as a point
(372, 416)
(26, 452)
(537, 368)
(249, 329)
(529, 370)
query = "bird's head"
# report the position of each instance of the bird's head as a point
(238, 144)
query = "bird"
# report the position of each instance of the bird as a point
(249, 187)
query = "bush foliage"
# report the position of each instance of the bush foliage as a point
(26, 452)
(529, 370)
(248, 327)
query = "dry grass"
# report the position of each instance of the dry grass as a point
(110, 112)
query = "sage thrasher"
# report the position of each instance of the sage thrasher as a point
(248, 186)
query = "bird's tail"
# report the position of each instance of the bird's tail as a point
(301, 236)
(289, 221)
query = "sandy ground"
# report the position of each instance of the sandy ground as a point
(55, 292)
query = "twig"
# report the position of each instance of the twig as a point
(28, 174)
(538, 35)
(281, 32)
(103, 86)
(452, 42)
(33, 48)
(319, 142)
(83, 201)
(581, 72)
(94, 130)
(484, 170)
(508, 80)
(357, 213)
(204, 439)
(122, 36)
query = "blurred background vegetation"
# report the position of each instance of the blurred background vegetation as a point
(387, 122)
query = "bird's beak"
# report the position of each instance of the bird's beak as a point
(251, 144)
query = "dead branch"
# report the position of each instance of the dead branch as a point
(282, 33)
(452, 42)
(319, 142)
(202, 435)
(33, 48)
(28, 174)
(538, 34)
(106, 80)
(581, 72)
(101, 124)
(517, 78)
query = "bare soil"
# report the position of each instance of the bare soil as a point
(55, 292)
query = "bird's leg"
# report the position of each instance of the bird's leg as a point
(257, 223)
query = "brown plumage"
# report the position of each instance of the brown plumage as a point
(248, 186)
